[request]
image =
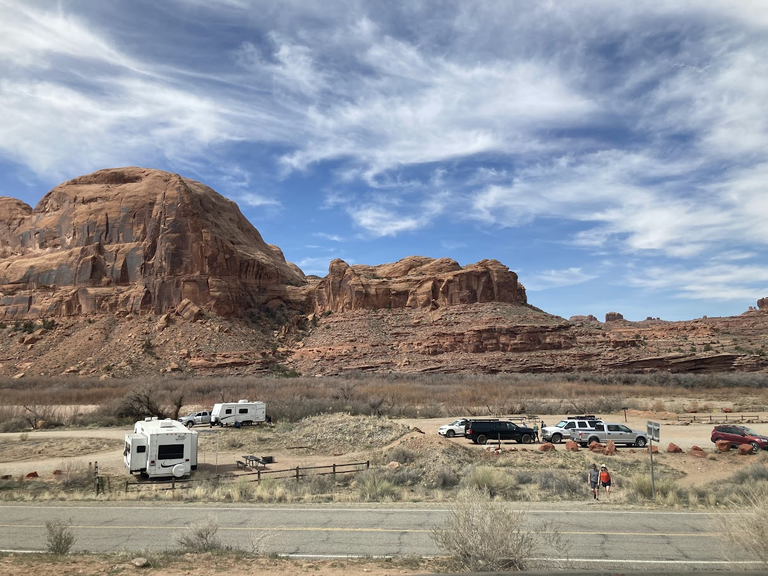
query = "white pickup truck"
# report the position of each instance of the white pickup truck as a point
(604, 431)
(196, 418)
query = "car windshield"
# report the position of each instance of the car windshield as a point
(749, 431)
(456, 423)
(561, 424)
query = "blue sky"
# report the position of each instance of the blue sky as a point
(613, 154)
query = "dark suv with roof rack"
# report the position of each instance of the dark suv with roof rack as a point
(481, 432)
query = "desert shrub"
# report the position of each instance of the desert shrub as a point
(12, 421)
(373, 485)
(483, 535)
(405, 476)
(492, 481)
(748, 530)
(272, 490)
(750, 474)
(560, 483)
(241, 490)
(402, 454)
(444, 478)
(640, 488)
(60, 537)
(318, 484)
(201, 536)
(76, 477)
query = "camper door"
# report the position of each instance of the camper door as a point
(135, 453)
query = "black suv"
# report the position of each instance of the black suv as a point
(480, 432)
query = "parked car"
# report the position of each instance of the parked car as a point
(562, 430)
(481, 431)
(604, 431)
(457, 427)
(737, 435)
(196, 418)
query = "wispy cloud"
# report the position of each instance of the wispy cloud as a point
(557, 278)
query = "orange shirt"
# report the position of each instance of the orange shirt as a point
(604, 476)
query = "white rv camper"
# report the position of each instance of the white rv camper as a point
(242, 413)
(159, 448)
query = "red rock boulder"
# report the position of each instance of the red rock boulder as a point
(571, 446)
(547, 447)
(596, 447)
(723, 445)
(698, 452)
(674, 448)
(31, 475)
(745, 449)
(655, 449)
(610, 448)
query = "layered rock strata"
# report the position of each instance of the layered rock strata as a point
(415, 282)
(134, 239)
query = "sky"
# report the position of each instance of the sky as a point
(613, 154)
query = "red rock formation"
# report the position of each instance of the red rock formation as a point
(415, 282)
(571, 446)
(613, 317)
(723, 445)
(762, 304)
(134, 239)
(674, 448)
(547, 447)
(610, 448)
(745, 449)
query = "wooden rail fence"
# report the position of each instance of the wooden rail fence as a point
(296, 473)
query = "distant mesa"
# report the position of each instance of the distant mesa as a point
(583, 319)
(613, 317)
(142, 240)
(415, 282)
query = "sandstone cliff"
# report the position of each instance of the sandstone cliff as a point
(134, 239)
(415, 282)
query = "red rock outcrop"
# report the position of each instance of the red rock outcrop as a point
(415, 282)
(134, 239)
(613, 316)
(674, 448)
(723, 445)
(762, 304)
(745, 449)
(571, 446)
(547, 447)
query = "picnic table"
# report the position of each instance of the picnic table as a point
(254, 461)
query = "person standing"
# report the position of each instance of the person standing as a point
(593, 478)
(535, 432)
(605, 480)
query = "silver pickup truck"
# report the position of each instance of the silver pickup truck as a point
(196, 418)
(604, 431)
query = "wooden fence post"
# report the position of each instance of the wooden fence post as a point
(334, 470)
(297, 473)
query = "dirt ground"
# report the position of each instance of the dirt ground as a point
(48, 450)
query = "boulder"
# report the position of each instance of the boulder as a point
(655, 449)
(610, 448)
(745, 449)
(596, 447)
(30, 475)
(140, 562)
(674, 448)
(571, 446)
(188, 310)
(723, 445)
(547, 447)
(698, 452)
(394, 465)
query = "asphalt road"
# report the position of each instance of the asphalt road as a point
(600, 538)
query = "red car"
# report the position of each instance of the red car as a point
(737, 435)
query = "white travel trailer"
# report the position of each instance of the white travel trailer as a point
(242, 413)
(159, 448)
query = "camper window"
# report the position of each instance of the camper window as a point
(140, 449)
(243, 411)
(170, 451)
(228, 411)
